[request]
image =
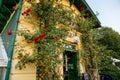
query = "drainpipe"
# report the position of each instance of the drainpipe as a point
(12, 43)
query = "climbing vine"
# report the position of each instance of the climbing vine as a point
(54, 24)
(55, 21)
(91, 52)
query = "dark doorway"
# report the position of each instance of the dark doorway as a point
(71, 66)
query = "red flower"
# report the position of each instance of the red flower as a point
(82, 9)
(9, 32)
(22, 13)
(36, 39)
(56, 37)
(14, 8)
(74, 42)
(87, 14)
(28, 10)
(27, 14)
(45, 26)
(42, 36)
(18, 21)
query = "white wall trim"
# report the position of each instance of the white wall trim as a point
(3, 58)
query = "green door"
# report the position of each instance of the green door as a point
(71, 68)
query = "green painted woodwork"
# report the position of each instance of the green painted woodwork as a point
(9, 40)
(2, 17)
(0, 3)
(71, 2)
(9, 2)
(5, 12)
(83, 3)
(6, 8)
(72, 72)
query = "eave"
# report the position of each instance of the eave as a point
(6, 8)
(83, 3)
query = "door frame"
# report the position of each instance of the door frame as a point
(73, 49)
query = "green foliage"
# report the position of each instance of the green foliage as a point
(91, 52)
(54, 26)
(85, 25)
(111, 40)
(55, 20)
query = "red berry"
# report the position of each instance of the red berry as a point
(9, 32)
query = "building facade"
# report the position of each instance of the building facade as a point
(72, 67)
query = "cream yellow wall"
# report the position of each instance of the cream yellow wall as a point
(25, 24)
(78, 46)
(29, 24)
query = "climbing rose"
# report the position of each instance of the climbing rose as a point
(14, 8)
(56, 37)
(82, 9)
(18, 21)
(9, 32)
(36, 39)
(42, 36)
(45, 26)
(87, 14)
(28, 10)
